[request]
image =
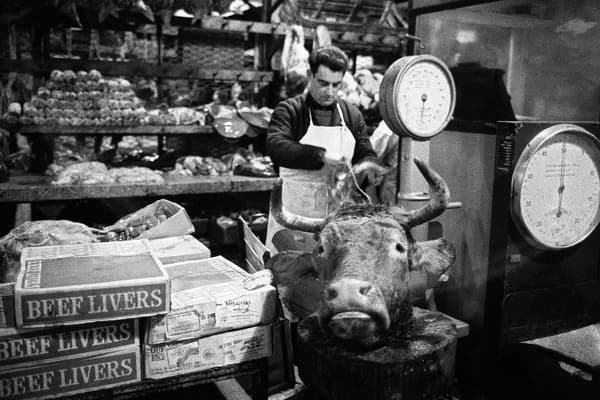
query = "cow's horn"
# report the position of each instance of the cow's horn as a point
(440, 195)
(289, 220)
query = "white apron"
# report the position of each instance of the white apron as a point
(305, 192)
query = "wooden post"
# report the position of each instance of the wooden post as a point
(159, 35)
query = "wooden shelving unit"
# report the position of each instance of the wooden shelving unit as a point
(116, 68)
(362, 37)
(28, 188)
(147, 130)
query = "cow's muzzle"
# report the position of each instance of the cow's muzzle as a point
(354, 311)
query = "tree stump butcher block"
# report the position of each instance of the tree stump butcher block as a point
(419, 364)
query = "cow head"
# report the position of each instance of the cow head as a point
(364, 257)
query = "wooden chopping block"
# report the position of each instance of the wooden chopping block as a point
(418, 365)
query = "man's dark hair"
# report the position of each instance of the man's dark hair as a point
(331, 57)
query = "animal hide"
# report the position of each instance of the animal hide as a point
(294, 56)
(35, 234)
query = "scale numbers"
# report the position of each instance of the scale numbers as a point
(556, 187)
(417, 96)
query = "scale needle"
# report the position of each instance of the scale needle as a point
(561, 187)
(423, 100)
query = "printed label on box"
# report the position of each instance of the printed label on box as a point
(79, 250)
(212, 351)
(183, 322)
(72, 376)
(27, 347)
(236, 312)
(178, 355)
(93, 304)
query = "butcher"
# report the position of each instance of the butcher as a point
(311, 135)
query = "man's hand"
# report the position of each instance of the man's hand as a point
(372, 171)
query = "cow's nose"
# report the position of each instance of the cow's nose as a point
(350, 288)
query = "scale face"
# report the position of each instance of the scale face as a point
(543, 274)
(556, 187)
(418, 96)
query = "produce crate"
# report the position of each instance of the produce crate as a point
(214, 51)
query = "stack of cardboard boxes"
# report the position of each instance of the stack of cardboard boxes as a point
(207, 297)
(100, 315)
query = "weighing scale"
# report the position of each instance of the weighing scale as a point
(543, 271)
(417, 99)
(417, 96)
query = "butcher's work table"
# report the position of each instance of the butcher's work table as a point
(24, 189)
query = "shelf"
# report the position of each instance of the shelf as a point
(31, 188)
(148, 130)
(134, 68)
(356, 37)
(345, 35)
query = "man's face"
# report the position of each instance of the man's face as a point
(324, 85)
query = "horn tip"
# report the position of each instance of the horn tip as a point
(419, 163)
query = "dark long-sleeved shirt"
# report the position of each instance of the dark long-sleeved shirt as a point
(290, 121)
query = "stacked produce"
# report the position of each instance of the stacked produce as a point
(83, 99)
(241, 162)
(174, 116)
(94, 172)
(87, 99)
(196, 165)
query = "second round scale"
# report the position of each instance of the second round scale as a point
(556, 187)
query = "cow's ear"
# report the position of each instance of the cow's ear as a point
(433, 257)
(290, 267)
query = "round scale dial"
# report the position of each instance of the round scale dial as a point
(418, 96)
(556, 187)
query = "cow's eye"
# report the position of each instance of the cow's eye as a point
(400, 248)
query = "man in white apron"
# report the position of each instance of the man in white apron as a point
(309, 137)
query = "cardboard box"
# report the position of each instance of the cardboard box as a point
(178, 249)
(209, 296)
(72, 376)
(73, 284)
(214, 351)
(7, 305)
(176, 224)
(26, 347)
